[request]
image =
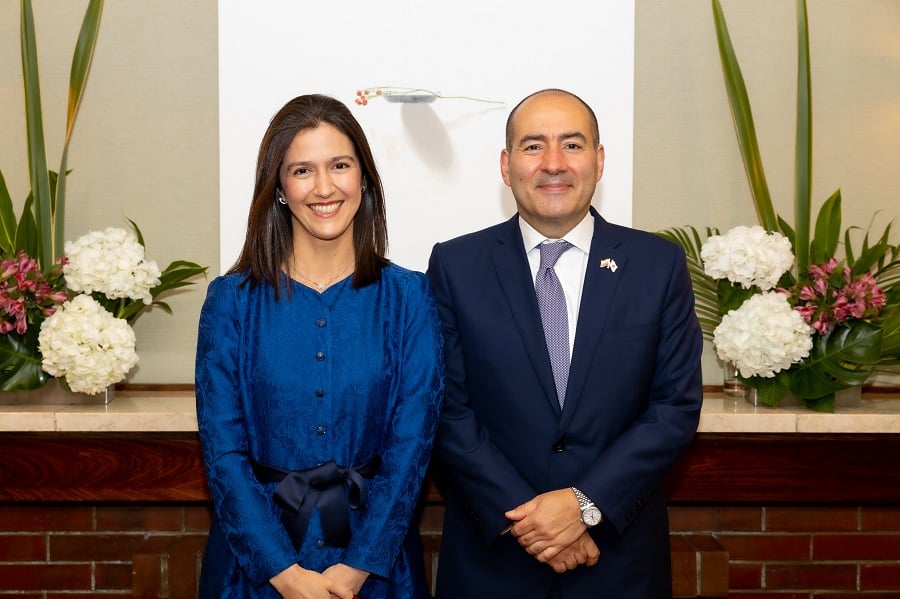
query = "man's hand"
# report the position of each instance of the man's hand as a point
(582, 551)
(547, 524)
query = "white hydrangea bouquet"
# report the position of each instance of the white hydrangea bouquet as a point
(761, 334)
(78, 326)
(810, 335)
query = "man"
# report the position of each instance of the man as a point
(572, 386)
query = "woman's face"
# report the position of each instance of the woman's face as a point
(321, 180)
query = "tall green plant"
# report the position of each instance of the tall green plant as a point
(41, 228)
(848, 354)
(739, 103)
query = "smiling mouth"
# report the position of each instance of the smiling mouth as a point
(326, 210)
(555, 187)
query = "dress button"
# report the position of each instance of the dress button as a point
(320, 355)
(320, 392)
(320, 430)
(321, 322)
(320, 544)
(559, 447)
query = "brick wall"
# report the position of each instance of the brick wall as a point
(66, 551)
(803, 552)
(100, 515)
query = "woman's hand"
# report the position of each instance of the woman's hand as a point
(347, 575)
(298, 583)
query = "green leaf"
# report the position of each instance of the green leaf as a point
(803, 161)
(743, 123)
(78, 76)
(174, 276)
(26, 231)
(821, 404)
(7, 220)
(828, 230)
(706, 297)
(20, 362)
(770, 391)
(845, 357)
(34, 126)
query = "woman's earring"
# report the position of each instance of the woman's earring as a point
(362, 187)
(280, 198)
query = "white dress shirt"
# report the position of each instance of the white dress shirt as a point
(570, 268)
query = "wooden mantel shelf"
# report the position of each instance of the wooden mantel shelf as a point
(163, 411)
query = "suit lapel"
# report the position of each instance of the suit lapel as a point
(600, 283)
(512, 269)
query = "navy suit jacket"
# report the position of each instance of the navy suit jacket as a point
(632, 404)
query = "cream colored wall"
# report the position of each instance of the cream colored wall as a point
(146, 143)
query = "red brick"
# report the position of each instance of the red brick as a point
(112, 576)
(707, 519)
(880, 577)
(23, 548)
(684, 567)
(880, 518)
(139, 518)
(811, 576)
(713, 567)
(104, 547)
(41, 518)
(811, 519)
(35, 577)
(745, 575)
(856, 547)
(766, 546)
(197, 518)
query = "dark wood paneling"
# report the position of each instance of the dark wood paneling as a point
(715, 469)
(101, 467)
(855, 469)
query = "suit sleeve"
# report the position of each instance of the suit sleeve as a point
(632, 468)
(483, 478)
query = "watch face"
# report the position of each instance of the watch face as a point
(591, 516)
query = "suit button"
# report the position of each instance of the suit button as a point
(559, 447)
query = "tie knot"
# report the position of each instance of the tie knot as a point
(550, 253)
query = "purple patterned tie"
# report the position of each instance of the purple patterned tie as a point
(552, 304)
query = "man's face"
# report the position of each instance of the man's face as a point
(552, 166)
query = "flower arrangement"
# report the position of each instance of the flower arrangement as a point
(75, 322)
(69, 315)
(392, 93)
(779, 304)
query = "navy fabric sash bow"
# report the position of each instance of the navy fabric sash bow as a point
(299, 491)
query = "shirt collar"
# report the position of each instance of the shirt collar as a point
(580, 236)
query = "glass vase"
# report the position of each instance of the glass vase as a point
(731, 384)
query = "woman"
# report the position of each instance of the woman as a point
(319, 379)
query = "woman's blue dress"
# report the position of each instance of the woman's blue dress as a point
(344, 375)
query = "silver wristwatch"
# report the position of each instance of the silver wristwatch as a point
(590, 515)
